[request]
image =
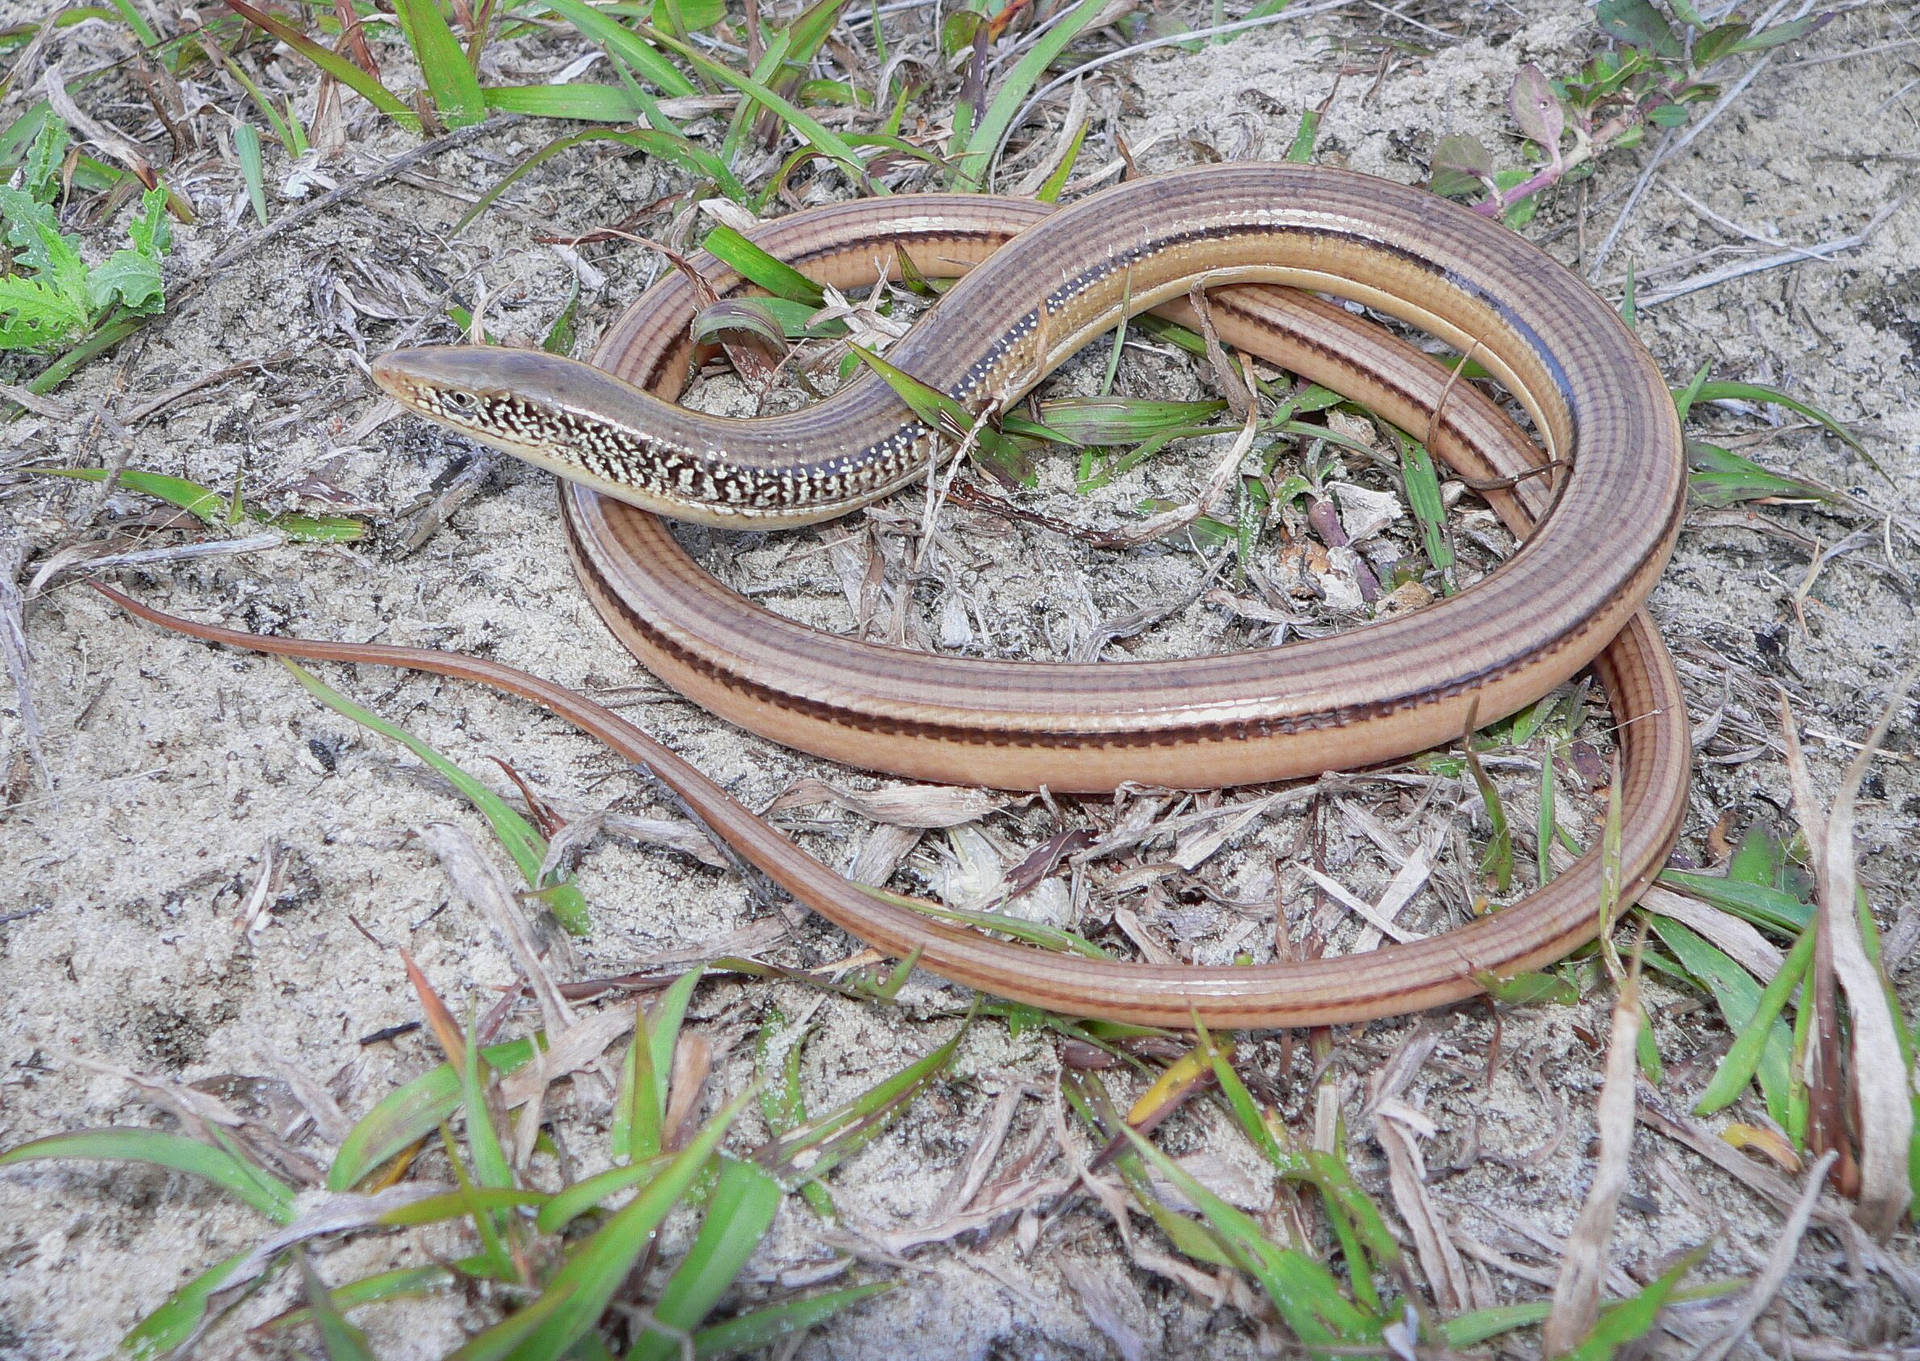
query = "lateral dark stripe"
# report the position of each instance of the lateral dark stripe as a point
(609, 603)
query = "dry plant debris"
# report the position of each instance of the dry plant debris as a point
(804, 1146)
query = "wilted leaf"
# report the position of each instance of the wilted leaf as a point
(1637, 22)
(1536, 109)
(1461, 166)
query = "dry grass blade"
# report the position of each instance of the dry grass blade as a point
(568, 1051)
(446, 1030)
(1576, 1294)
(13, 642)
(1738, 940)
(1880, 1091)
(1779, 1263)
(481, 884)
(928, 806)
(1396, 1126)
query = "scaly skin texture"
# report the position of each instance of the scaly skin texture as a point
(1373, 694)
(1401, 685)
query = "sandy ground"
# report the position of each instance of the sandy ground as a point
(178, 776)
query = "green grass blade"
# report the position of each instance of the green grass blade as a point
(483, 1140)
(570, 1202)
(985, 141)
(1756, 392)
(1057, 182)
(332, 63)
(1544, 823)
(408, 1115)
(583, 103)
(451, 83)
(739, 1213)
(203, 503)
(457, 1204)
(1760, 1039)
(1029, 933)
(246, 145)
(667, 146)
(764, 1327)
(1123, 420)
(1720, 477)
(527, 847)
(641, 1110)
(838, 1134)
(587, 1282)
(258, 1188)
(1302, 1290)
(623, 43)
(1300, 152)
(1422, 485)
(743, 112)
(343, 1341)
(1761, 904)
(1738, 998)
(1635, 1318)
(803, 124)
(757, 266)
(400, 1283)
(176, 1322)
(213, 508)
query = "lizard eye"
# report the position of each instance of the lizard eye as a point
(459, 402)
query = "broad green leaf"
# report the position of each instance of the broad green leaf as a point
(127, 279)
(1461, 167)
(36, 316)
(40, 176)
(34, 231)
(1639, 23)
